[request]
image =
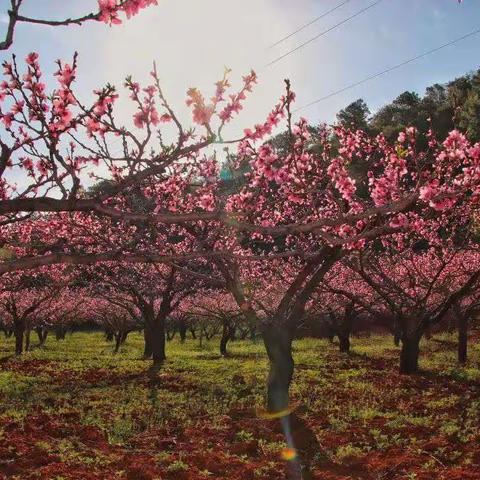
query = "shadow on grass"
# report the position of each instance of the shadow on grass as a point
(231, 356)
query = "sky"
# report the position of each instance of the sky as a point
(193, 40)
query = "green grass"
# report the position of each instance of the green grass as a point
(85, 409)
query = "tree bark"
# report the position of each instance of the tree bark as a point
(42, 336)
(171, 334)
(118, 341)
(60, 332)
(253, 333)
(147, 335)
(344, 329)
(410, 353)
(344, 340)
(278, 343)
(182, 330)
(19, 332)
(227, 335)
(8, 332)
(462, 339)
(158, 338)
(27, 340)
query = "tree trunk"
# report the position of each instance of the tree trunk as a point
(253, 333)
(118, 341)
(158, 338)
(39, 331)
(182, 330)
(227, 333)
(27, 340)
(278, 343)
(462, 339)
(344, 329)
(42, 336)
(223, 345)
(396, 339)
(60, 333)
(344, 340)
(19, 333)
(8, 332)
(410, 353)
(147, 335)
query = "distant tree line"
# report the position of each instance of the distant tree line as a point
(443, 107)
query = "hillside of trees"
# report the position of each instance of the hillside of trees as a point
(444, 107)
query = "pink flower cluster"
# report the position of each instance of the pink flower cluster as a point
(387, 187)
(109, 9)
(147, 110)
(235, 103)
(341, 179)
(63, 99)
(438, 197)
(36, 100)
(203, 112)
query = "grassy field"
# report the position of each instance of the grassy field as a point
(74, 410)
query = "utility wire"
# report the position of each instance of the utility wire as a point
(321, 34)
(388, 70)
(309, 23)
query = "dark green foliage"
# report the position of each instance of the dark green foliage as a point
(443, 107)
(354, 115)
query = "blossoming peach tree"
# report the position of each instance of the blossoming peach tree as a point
(109, 12)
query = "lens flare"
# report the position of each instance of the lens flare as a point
(266, 415)
(288, 454)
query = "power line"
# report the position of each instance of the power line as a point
(309, 23)
(321, 34)
(388, 70)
